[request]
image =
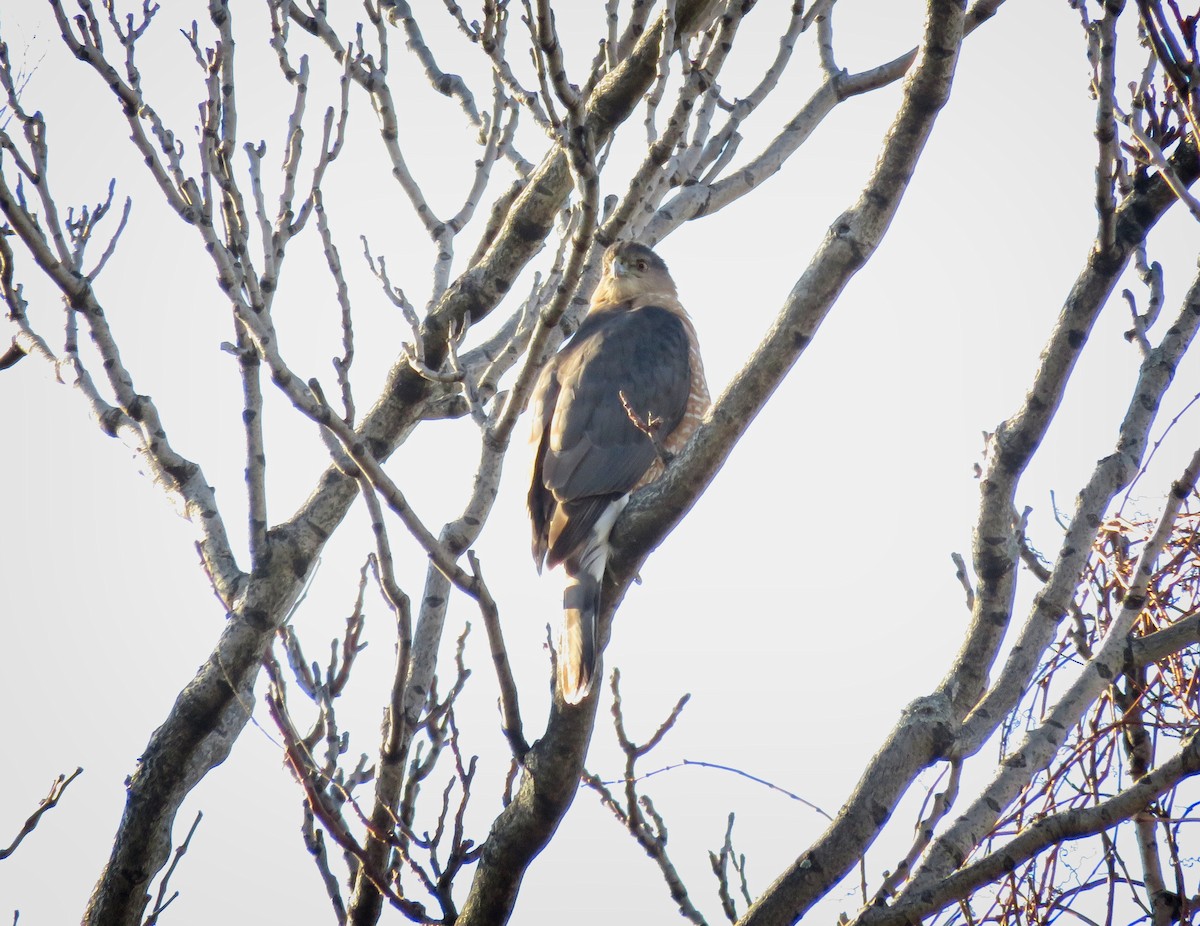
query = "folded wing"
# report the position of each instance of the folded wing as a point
(621, 364)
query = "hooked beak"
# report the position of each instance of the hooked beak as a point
(619, 268)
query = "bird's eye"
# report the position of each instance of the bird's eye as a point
(641, 265)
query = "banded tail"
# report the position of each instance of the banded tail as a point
(578, 650)
(577, 639)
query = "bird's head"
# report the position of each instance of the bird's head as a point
(630, 269)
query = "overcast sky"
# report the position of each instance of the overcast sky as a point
(806, 599)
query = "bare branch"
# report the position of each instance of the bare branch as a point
(1038, 837)
(161, 902)
(1042, 742)
(49, 802)
(638, 814)
(1102, 41)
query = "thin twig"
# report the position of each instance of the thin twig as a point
(161, 902)
(49, 802)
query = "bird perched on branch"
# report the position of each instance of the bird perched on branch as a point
(622, 396)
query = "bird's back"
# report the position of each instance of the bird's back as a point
(625, 373)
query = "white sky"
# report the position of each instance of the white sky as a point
(807, 598)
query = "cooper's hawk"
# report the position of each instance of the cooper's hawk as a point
(625, 391)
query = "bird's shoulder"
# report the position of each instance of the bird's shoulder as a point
(649, 299)
(636, 318)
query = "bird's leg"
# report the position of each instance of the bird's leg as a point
(649, 426)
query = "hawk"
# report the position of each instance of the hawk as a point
(622, 395)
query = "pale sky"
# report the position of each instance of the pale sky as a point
(806, 599)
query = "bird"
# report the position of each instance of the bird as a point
(610, 409)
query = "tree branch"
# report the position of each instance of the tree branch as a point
(47, 803)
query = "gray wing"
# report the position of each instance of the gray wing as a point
(591, 452)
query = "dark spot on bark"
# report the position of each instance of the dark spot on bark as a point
(300, 566)
(943, 740)
(993, 565)
(1076, 339)
(525, 230)
(111, 421)
(378, 448)
(258, 618)
(181, 473)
